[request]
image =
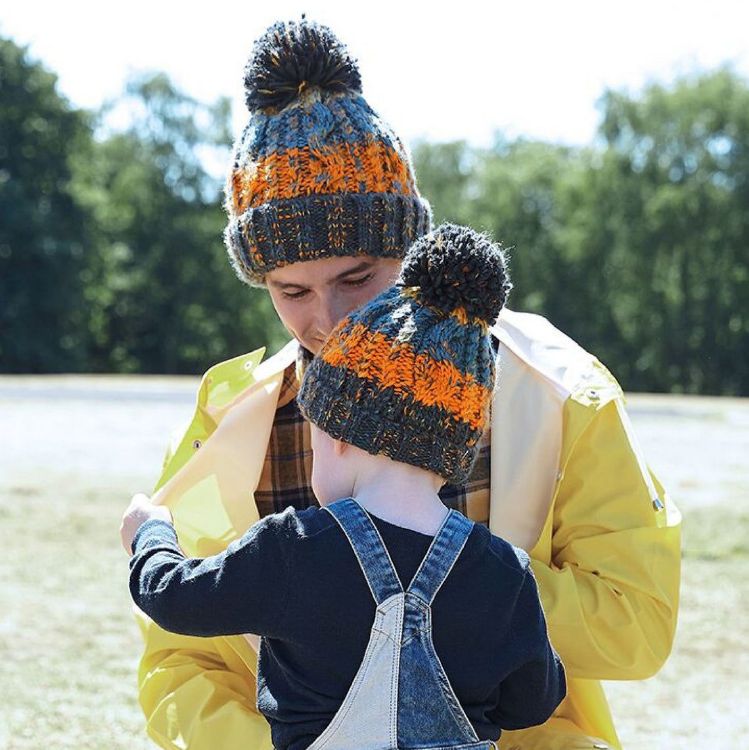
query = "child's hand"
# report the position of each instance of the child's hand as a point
(140, 510)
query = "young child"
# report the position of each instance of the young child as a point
(386, 619)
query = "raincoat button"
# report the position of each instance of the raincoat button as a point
(196, 444)
(593, 394)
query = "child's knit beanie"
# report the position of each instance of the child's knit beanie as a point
(411, 374)
(316, 172)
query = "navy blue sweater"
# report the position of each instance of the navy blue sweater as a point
(294, 579)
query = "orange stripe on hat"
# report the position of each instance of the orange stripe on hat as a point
(395, 364)
(371, 167)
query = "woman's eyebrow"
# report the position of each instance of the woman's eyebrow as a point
(364, 265)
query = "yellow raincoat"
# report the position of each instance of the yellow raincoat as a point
(568, 483)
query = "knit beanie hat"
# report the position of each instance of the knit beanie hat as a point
(316, 172)
(411, 374)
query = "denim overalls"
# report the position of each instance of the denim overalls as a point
(400, 698)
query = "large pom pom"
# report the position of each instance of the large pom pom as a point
(293, 56)
(454, 267)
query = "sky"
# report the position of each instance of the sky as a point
(441, 71)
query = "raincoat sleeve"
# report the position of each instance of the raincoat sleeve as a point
(611, 592)
(197, 693)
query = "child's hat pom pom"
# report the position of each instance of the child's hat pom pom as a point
(457, 267)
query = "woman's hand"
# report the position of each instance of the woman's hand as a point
(140, 510)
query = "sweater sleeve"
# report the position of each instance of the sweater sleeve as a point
(244, 589)
(530, 693)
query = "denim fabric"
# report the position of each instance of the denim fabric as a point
(400, 698)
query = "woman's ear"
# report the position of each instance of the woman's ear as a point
(339, 446)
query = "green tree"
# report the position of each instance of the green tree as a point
(672, 190)
(512, 191)
(445, 177)
(162, 295)
(638, 246)
(42, 252)
(112, 259)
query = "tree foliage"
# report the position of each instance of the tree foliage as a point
(161, 292)
(638, 246)
(111, 256)
(42, 251)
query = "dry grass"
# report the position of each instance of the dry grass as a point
(75, 449)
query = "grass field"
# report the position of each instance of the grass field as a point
(76, 448)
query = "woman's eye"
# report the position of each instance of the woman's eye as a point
(359, 282)
(295, 296)
(353, 282)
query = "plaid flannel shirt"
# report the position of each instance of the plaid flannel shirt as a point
(287, 470)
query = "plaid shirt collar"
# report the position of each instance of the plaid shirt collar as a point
(285, 478)
(293, 376)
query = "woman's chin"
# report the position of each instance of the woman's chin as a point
(313, 346)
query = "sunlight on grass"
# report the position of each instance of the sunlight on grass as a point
(69, 645)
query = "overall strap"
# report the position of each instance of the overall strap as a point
(441, 556)
(370, 550)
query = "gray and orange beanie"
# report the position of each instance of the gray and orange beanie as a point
(316, 172)
(411, 374)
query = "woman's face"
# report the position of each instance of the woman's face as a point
(311, 297)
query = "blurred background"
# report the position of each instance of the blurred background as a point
(606, 145)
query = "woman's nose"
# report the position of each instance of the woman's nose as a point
(329, 315)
